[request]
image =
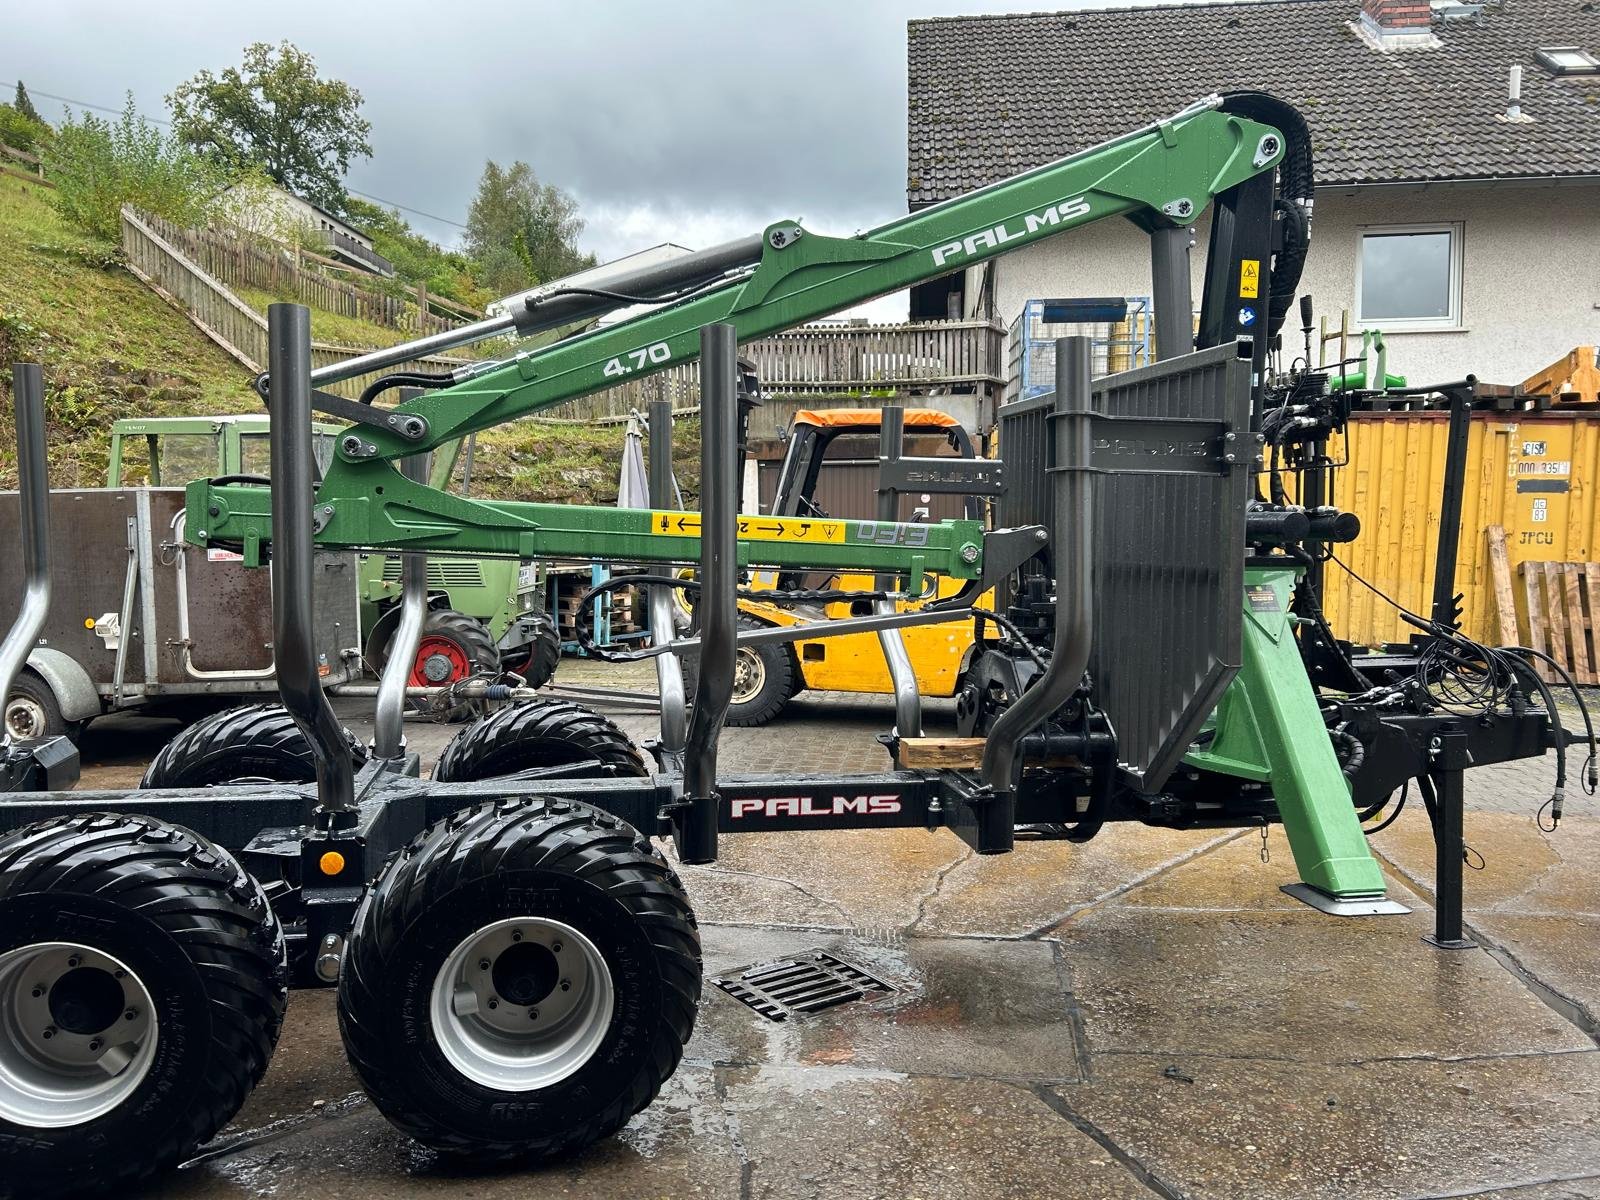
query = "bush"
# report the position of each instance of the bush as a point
(98, 166)
(22, 132)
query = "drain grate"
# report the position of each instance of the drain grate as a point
(803, 983)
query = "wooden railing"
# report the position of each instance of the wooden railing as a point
(836, 360)
(245, 262)
(831, 360)
(221, 315)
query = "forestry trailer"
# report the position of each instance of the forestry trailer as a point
(518, 968)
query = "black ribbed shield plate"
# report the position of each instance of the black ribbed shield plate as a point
(1169, 550)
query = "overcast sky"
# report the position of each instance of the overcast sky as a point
(691, 122)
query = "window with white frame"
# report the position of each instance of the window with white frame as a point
(1408, 277)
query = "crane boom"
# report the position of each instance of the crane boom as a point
(1161, 177)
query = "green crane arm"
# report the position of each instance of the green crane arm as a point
(1162, 176)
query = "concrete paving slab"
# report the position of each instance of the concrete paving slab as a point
(1236, 1127)
(682, 1146)
(853, 879)
(1299, 986)
(1042, 883)
(1230, 876)
(960, 1008)
(1524, 868)
(840, 1136)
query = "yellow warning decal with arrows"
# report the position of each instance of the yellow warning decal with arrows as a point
(752, 529)
(1249, 278)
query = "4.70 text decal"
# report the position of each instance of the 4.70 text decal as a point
(637, 360)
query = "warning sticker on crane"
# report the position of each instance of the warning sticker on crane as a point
(752, 529)
(1249, 278)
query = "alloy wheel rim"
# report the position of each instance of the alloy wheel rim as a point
(78, 1034)
(522, 1004)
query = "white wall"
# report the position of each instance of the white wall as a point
(1530, 273)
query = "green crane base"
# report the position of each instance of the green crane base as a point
(1269, 728)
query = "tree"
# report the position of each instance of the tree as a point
(99, 165)
(277, 113)
(24, 105)
(522, 232)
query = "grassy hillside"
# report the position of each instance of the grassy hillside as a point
(109, 346)
(112, 348)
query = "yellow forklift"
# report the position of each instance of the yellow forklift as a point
(769, 674)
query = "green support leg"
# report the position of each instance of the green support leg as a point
(1269, 728)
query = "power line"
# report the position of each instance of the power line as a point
(416, 212)
(83, 103)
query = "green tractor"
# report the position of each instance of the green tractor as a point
(486, 615)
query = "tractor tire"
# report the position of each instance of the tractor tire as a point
(765, 679)
(259, 743)
(537, 734)
(126, 926)
(31, 712)
(584, 1007)
(538, 660)
(454, 647)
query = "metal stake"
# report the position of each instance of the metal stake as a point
(663, 613)
(1074, 494)
(294, 648)
(388, 729)
(695, 819)
(902, 675)
(33, 494)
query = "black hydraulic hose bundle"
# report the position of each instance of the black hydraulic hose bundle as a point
(405, 379)
(1296, 185)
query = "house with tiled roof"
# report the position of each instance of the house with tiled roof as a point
(1464, 223)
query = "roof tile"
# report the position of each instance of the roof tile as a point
(990, 96)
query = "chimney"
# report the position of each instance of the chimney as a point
(1397, 24)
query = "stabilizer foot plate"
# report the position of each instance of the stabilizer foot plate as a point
(1377, 906)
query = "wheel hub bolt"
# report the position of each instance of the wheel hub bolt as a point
(130, 1014)
(556, 946)
(38, 991)
(74, 961)
(483, 964)
(95, 1044)
(516, 935)
(493, 1003)
(49, 1033)
(533, 1014)
(566, 985)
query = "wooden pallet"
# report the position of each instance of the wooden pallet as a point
(1572, 381)
(1563, 601)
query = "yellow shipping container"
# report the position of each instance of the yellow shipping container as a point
(1533, 473)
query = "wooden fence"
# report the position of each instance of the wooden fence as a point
(834, 360)
(225, 318)
(244, 262)
(827, 360)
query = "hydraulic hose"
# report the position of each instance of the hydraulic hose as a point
(1296, 185)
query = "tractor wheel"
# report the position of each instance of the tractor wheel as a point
(142, 989)
(31, 712)
(543, 655)
(259, 743)
(520, 981)
(538, 734)
(764, 679)
(453, 647)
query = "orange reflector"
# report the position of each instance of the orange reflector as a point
(331, 863)
(88, 622)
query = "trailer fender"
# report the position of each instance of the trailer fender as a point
(74, 691)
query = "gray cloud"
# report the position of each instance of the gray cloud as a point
(684, 122)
